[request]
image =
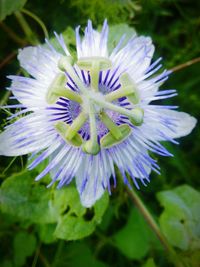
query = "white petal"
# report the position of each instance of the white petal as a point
(92, 178)
(163, 124)
(28, 91)
(28, 134)
(184, 123)
(146, 89)
(39, 62)
(67, 164)
(93, 43)
(130, 157)
(135, 57)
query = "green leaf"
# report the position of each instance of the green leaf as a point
(116, 32)
(81, 255)
(76, 254)
(180, 218)
(6, 263)
(22, 197)
(80, 222)
(135, 239)
(150, 263)
(46, 233)
(24, 245)
(7, 7)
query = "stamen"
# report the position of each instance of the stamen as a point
(123, 91)
(59, 81)
(62, 129)
(65, 64)
(135, 115)
(109, 140)
(112, 127)
(91, 146)
(94, 103)
(76, 125)
(57, 89)
(128, 84)
(94, 65)
(68, 93)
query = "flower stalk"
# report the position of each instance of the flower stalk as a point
(26, 28)
(154, 226)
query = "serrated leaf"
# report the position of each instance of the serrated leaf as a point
(180, 218)
(80, 222)
(135, 238)
(7, 7)
(24, 245)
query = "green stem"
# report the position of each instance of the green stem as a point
(44, 260)
(12, 34)
(154, 226)
(36, 255)
(58, 253)
(26, 28)
(7, 59)
(186, 64)
(5, 98)
(6, 111)
(38, 20)
(9, 165)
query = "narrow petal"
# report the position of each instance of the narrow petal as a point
(30, 92)
(63, 164)
(184, 123)
(28, 134)
(92, 178)
(39, 62)
(132, 157)
(164, 124)
(135, 57)
(93, 43)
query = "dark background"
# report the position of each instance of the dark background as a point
(174, 26)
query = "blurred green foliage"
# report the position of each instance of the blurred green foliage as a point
(36, 223)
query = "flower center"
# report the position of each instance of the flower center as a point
(94, 104)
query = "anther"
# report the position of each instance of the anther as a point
(112, 127)
(62, 129)
(109, 140)
(57, 89)
(52, 92)
(135, 115)
(127, 84)
(94, 65)
(76, 125)
(65, 64)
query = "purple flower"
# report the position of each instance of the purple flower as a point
(89, 114)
